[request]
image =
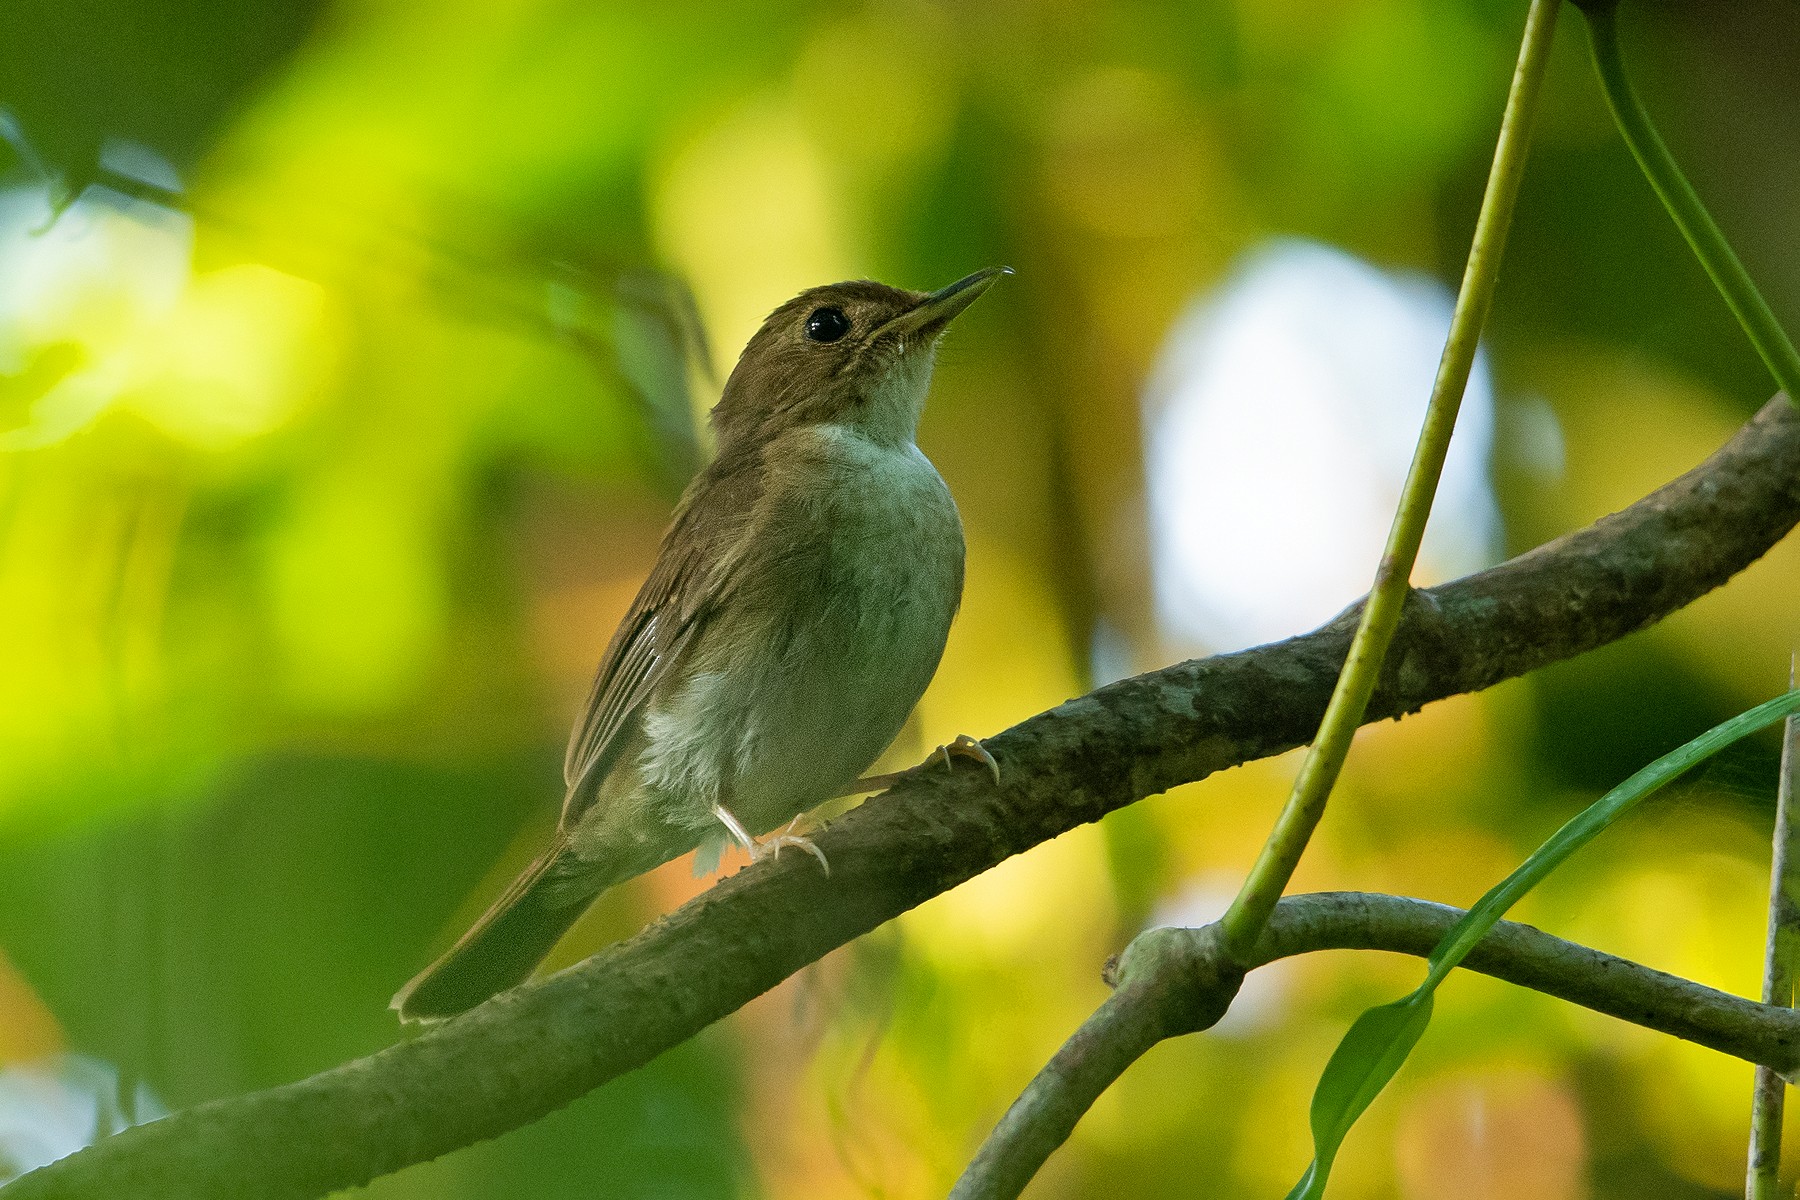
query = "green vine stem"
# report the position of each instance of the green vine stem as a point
(1249, 912)
(1763, 1173)
(1683, 203)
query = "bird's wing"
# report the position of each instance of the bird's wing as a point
(693, 574)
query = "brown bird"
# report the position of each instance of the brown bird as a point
(797, 609)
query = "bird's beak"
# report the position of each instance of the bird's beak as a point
(930, 315)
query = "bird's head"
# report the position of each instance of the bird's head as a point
(855, 354)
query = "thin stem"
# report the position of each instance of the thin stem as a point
(1269, 877)
(1119, 1033)
(1683, 203)
(1780, 959)
(1168, 982)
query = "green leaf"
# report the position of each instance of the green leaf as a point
(1380, 1040)
(1377, 1043)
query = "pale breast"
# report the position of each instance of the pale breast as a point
(831, 634)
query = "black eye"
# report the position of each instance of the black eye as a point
(826, 325)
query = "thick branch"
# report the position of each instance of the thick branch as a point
(532, 1050)
(1176, 981)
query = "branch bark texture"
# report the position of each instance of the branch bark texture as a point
(530, 1051)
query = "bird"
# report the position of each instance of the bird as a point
(798, 606)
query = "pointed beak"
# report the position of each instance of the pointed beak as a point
(937, 310)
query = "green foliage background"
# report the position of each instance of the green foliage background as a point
(303, 564)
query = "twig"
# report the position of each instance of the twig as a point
(1780, 958)
(1179, 981)
(1167, 983)
(532, 1050)
(1274, 866)
(1683, 203)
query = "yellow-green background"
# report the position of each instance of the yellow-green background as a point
(294, 615)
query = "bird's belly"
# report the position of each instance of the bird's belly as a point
(835, 703)
(803, 686)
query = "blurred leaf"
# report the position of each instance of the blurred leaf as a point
(658, 338)
(45, 367)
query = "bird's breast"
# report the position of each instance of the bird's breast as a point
(851, 575)
(881, 534)
(870, 533)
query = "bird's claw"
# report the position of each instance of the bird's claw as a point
(769, 847)
(963, 747)
(967, 747)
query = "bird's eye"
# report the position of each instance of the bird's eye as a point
(826, 325)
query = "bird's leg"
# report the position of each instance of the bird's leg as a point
(769, 847)
(963, 747)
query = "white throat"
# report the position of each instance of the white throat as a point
(889, 415)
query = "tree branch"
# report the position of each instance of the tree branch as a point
(1175, 981)
(1167, 983)
(534, 1049)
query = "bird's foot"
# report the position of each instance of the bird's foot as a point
(963, 747)
(769, 847)
(966, 747)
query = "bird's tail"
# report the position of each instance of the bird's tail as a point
(501, 949)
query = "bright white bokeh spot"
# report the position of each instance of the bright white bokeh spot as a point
(51, 1109)
(101, 309)
(1280, 419)
(88, 280)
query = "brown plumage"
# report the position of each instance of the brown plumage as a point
(796, 610)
